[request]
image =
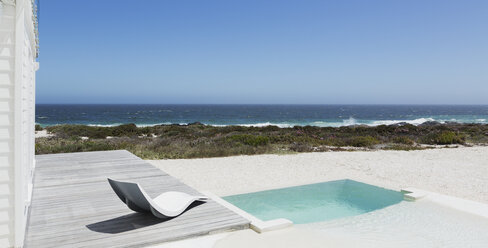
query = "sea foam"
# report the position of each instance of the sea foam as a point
(351, 121)
(392, 122)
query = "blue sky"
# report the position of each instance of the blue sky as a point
(255, 51)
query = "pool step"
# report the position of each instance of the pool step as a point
(413, 194)
(464, 205)
(270, 225)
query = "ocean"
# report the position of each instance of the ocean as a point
(257, 115)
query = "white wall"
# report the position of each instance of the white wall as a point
(17, 103)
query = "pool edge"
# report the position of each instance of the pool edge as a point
(256, 224)
(460, 204)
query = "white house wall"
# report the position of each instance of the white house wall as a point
(17, 105)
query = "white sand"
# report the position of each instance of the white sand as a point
(461, 172)
(295, 238)
(42, 134)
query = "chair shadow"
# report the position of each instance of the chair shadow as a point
(132, 221)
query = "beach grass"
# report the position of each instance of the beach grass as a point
(199, 141)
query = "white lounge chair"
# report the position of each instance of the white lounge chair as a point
(168, 204)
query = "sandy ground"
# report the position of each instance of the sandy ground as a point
(295, 238)
(461, 172)
(42, 134)
(285, 238)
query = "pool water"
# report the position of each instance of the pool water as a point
(316, 202)
(422, 223)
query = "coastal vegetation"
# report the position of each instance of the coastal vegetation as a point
(197, 140)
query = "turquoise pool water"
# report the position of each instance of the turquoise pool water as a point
(316, 202)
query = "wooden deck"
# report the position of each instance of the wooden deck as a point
(74, 206)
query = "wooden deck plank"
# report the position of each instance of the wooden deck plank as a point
(62, 219)
(71, 229)
(74, 206)
(117, 222)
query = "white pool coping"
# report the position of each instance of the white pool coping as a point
(467, 206)
(256, 224)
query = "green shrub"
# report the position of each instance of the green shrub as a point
(66, 131)
(362, 141)
(57, 145)
(403, 140)
(397, 147)
(38, 128)
(444, 138)
(251, 140)
(124, 130)
(197, 140)
(300, 147)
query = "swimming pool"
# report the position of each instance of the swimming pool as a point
(422, 223)
(316, 202)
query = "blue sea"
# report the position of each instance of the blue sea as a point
(257, 115)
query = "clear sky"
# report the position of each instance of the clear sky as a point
(256, 51)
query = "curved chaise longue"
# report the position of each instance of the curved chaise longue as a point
(166, 205)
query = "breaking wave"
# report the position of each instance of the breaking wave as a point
(351, 121)
(392, 122)
(138, 125)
